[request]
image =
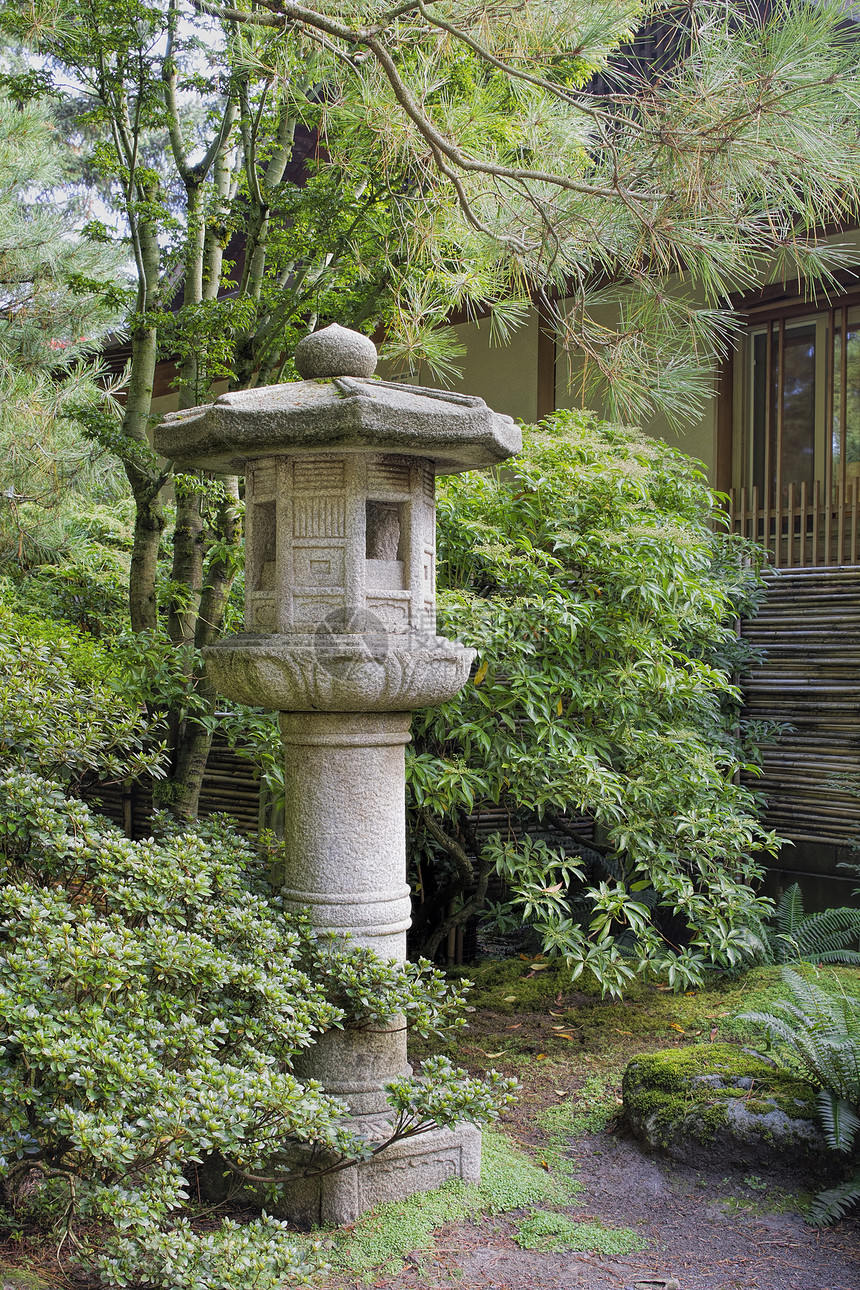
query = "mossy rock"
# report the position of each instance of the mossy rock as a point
(721, 1107)
(21, 1279)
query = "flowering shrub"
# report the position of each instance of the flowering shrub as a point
(153, 997)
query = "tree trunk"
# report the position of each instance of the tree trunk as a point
(193, 740)
(141, 468)
(192, 755)
(189, 542)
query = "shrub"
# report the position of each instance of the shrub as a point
(68, 708)
(592, 579)
(153, 996)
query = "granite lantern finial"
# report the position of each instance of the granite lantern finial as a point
(335, 351)
(340, 638)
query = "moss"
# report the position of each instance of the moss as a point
(515, 985)
(659, 1088)
(383, 1236)
(22, 1279)
(556, 1233)
(648, 1015)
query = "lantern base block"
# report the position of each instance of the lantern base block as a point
(415, 1165)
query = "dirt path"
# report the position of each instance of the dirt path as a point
(704, 1233)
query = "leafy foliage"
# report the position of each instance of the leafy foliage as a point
(67, 707)
(823, 937)
(601, 603)
(153, 998)
(817, 1035)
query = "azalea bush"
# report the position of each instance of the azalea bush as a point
(69, 706)
(601, 593)
(153, 998)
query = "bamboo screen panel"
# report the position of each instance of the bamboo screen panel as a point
(809, 679)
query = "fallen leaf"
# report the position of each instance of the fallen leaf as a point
(544, 1165)
(555, 1014)
(516, 1027)
(561, 1092)
(541, 1057)
(541, 967)
(674, 1026)
(622, 1032)
(498, 1054)
(564, 1034)
(510, 998)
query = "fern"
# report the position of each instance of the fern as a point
(817, 1035)
(789, 913)
(823, 937)
(839, 1119)
(830, 1205)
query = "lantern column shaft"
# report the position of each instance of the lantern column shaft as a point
(345, 861)
(345, 826)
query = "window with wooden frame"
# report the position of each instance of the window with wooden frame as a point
(799, 464)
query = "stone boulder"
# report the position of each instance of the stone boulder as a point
(23, 1279)
(722, 1107)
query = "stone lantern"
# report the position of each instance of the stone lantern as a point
(340, 640)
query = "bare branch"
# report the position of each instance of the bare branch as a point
(455, 851)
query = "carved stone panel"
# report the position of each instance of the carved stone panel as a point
(319, 566)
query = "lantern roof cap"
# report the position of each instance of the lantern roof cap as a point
(340, 413)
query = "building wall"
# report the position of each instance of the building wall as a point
(504, 376)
